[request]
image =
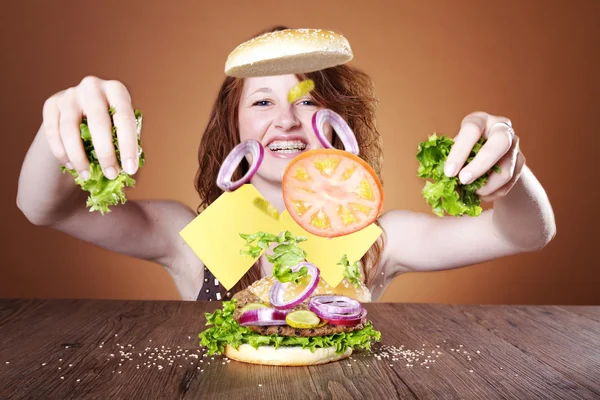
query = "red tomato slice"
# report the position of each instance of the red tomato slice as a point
(331, 192)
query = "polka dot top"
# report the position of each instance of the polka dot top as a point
(212, 289)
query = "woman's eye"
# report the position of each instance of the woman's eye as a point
(261, 103)
(308, 102)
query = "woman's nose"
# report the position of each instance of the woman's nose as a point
(287, 119)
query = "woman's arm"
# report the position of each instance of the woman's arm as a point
(521, 220)
(145, 229)
(47, 197)
(524, 216)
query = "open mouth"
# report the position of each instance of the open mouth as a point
(287, 146)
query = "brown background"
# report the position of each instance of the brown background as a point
(432, 62)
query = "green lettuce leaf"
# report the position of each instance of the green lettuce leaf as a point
(103, 192)
(351, 272)
(225, 330)
(286, 254)
(446, 194)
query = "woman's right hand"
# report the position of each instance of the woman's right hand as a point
(62, 114)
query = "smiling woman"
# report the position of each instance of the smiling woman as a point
(285, 130)
(256, 109)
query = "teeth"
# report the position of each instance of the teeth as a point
(288, 150)
(287, 146)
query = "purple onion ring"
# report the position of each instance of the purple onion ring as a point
(234, 159)
(340, 126)
(276, 295)
(360, 319)
(263, 317)
(335, 306)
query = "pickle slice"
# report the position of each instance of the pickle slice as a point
(301, 89)
(303, 319)
(267, 207)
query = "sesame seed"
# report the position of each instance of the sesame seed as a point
(62, 377)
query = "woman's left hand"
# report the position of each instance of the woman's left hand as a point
(501, 148)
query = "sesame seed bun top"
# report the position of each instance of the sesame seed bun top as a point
(288, 51)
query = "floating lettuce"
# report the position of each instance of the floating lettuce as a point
(351, 272)
(286, 254)
(443, 193)
(103, 191)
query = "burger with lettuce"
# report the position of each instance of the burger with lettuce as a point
(292, 318)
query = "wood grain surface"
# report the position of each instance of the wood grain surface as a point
(109, 349)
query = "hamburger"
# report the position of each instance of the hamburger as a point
(250, 329)
(292, 318)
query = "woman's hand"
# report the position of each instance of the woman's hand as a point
(62, 115)
(501, 148)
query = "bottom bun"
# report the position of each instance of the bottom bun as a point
(287, 356)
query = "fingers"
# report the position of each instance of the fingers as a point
(124, 120)
(51, 124)
(472, 127)
(69, 119)
(499, 142)
(63, 114)
(509, 185)
(94, 105)
(507, 166)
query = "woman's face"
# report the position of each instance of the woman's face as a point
(284, 129)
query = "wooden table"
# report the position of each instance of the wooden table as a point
(109, 349)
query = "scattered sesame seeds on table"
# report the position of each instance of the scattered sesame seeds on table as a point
(150, 350)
